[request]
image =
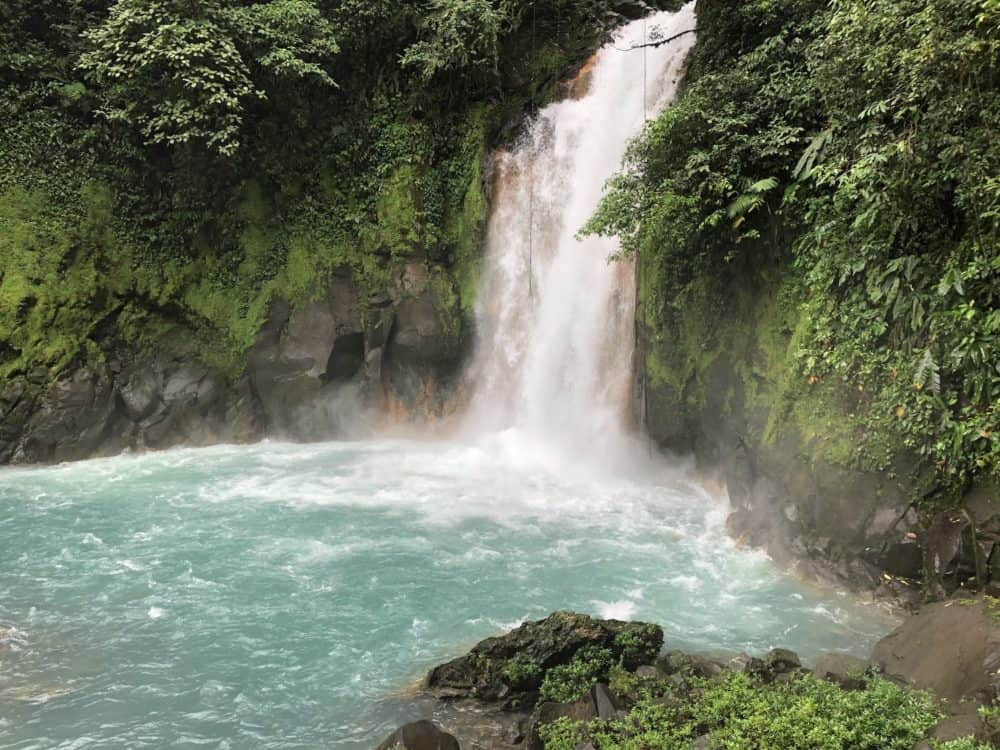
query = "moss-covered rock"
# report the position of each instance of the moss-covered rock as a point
(513, 667)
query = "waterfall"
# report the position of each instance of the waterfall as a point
(555, 316)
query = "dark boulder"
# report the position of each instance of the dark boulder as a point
(782, 661)
(419, 735)
(604, 702)
(514, 665)
(950, 648)
(690, 665)
(903, 558)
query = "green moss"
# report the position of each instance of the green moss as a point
(464, 227)
(688, 334)
(398, 210)
(60, 278)
(730, 351)
(446, 301)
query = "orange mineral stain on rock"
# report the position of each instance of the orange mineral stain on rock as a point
(578, 86)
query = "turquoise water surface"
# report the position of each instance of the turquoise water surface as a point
(286, 596)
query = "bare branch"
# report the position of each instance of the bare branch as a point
(658, 43)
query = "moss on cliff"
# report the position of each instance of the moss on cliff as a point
(109, 242)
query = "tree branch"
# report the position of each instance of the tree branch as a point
(658, 43)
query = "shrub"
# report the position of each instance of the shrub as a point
(742, 713)
(568, 682)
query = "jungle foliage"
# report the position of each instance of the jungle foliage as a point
(179, 163)
(851, 147)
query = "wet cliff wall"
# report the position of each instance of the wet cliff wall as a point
(803, 304)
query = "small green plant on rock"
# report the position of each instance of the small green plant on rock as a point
(568, 682)
(635, 647)
(963, 743)
(562, 734)
(522, 671)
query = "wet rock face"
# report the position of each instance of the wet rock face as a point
(16, 407)
(511, 667)
(315, 371)
(856, 529)
(425, 346)
(950, 648)
(289, 364)
(72, 421)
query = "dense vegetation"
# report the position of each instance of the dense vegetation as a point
(179, 163)
(741, 712)
(843, 157)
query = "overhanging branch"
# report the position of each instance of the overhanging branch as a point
(658, 43)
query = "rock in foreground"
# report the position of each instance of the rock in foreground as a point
(419, 735)
(511, 667)
(950, 648)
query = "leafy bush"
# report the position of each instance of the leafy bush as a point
(183, 72)
(964, 743)
(562, 734)
(568, 682)
(742, 713)
(637, 648)
(522, 671)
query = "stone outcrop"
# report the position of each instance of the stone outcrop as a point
(951, 649)
(316, 370)
(511, 667)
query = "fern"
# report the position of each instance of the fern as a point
(750, 201)
(806, 164)
(928, 374)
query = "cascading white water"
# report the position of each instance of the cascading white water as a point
(556, 314)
